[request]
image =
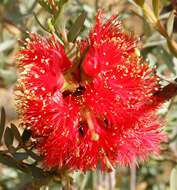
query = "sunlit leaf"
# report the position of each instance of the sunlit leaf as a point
(173, 179)
(61, 3)
(45, 5)
(164, 57)
(76, 27)
(7, 44)
(170, 23)
(139, 2)
(156, 7)
(85, 181)
(40, 24)
(9, 76)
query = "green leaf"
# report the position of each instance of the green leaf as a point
(58, 14)
(165, 58)
(85, 181)
(37, 172)
(7, 44)
(173, 179)
(2, 123)
(139, 2)
(50, 25)
(26, 135)
(90, 181)
(170, 23)
(156, 7)
(61, 3)
(40, 24)
(34, 155)
(19, 156)
(10, 162)
(16, 132)
(45, 5)
(8, 137)
(76, 27)
(7, 160)
(9, 76)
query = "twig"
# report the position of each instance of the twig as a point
(111, 178)
(133, 176)
(96, 5)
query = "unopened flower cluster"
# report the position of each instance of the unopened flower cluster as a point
(96, 111)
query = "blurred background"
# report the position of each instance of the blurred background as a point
(17, 17)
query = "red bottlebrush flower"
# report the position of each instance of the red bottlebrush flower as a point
(41, 65)
(106, 116)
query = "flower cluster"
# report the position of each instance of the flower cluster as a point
(99, 111)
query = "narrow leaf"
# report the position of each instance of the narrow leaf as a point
(173, 179)
(7, 44)
(139, 2)
(165, 58)
(156, 7)
(45, 5)
(40, 24)
(10, 162)
(85, 181)
(2, 123)
(170, 23)
(26, 135)
(37, 172)
(19, 156)
(61, 3)
(34, 155)
(76, 27)
(8, 137)
(16, 132)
